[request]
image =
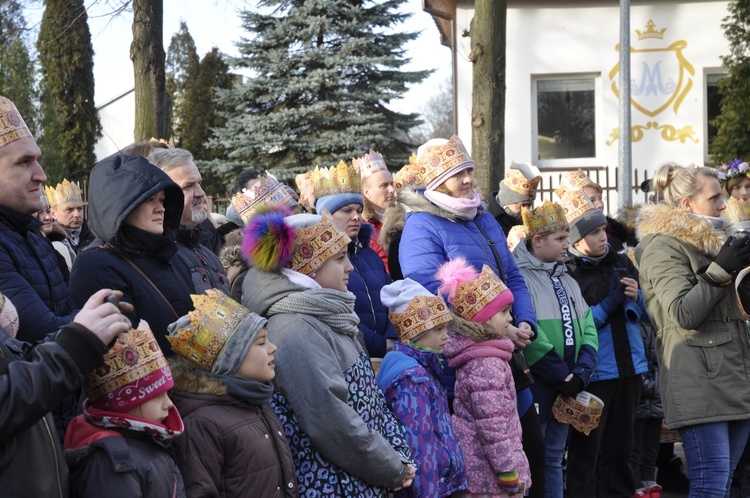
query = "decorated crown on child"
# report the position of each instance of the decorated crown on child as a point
(547, 218)
(575, 203)
(265, 192)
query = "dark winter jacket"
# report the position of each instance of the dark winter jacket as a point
(411, 380)
(650, 406)
(117, 186)
(365, 282)
(30, 276)
(505, 220)
(345, 441)
(621, 353)
(203, 265)
(433, 236)
(32, 382)
(85, 237)
(133, 460)
(242, 448)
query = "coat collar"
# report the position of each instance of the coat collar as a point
(689, 229)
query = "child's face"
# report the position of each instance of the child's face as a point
(552, 247)
(258, 364)
(156, 409)
(501, 320)
(594, 243)
(741, 190)
(433, 338)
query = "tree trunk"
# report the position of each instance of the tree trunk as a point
(488, 92)
(147, 54)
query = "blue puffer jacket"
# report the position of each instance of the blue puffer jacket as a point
(433, 236)
(30, 277)
(621, 351)
(365, 282)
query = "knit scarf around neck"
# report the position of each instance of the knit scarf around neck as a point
(332, 307)
(465, 209)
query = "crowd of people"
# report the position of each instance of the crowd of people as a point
(370, 335)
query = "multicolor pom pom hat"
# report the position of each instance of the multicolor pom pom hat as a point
(475, 296)
(12, 125)
(439, 159)
(303, 242)
(134, 371)
(413, 310)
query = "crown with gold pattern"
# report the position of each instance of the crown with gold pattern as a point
(340, 179)
(575, 203)
(522, 178)
(435, 160)
(314, 245)
(136, 355)
(650, 31)
(582, 412)
(12, 125)
(575, 180)
(267, 191)
(545, 219)
(474, 295)
(421, 314)
(408, 175)
(213, 322)
(64, 192)
(738, 210)
(368, 164)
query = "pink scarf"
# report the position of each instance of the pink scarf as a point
(466, 209)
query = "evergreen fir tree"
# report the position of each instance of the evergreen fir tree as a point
(16, 65)
(70, 123)
(182, 65)
(733, 124)
(324, 73)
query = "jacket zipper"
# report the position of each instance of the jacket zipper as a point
(54, 451)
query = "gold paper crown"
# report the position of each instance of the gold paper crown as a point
(517, 181)
(267, 191)
(583, 413)
(408, 175)
(339, 179)
(650, 32)
(369, 164)
(575, 203)
(437, 159)
(575, 180)
(315, 245)
(421, 314)
(547, 218)
(738, 210)
(12, 125)
(135, 355)
(64, 192)
(474, 295)
(214, 321)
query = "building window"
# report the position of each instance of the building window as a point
(713, 103)
(566, 121)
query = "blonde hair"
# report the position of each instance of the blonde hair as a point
(675, 183)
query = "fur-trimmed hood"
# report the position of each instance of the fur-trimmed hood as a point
(394, 220)
(471, 330)
(697, 232)
(190, 379)
(413, 201)
(231, 253)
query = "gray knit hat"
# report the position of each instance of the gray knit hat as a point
(519, 185)
(581, 214)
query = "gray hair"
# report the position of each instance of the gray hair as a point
(166, 159)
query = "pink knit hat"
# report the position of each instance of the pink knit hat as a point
(475, 297)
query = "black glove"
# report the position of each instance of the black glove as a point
(572, 387)
(734, 254)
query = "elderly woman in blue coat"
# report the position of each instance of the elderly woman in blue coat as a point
(446, 221)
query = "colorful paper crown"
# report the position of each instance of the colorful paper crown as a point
(434, 160)
(575, 180)
(738, 210)
(522, 178)
(339, 179)
(575, 203)
(733, 169)
(213, 322)
(408, 175)
(12, 125)
(583, 412)
(547, 218)
(267, 191)
(474, 295)
(315, 245)
(422, 314)
(64, 192)
(368, 164)
(133, 372)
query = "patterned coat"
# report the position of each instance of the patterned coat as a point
(485, 417)
(410, 380)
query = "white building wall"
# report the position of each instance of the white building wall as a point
(569, 38)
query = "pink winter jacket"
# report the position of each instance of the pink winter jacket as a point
(485, 418)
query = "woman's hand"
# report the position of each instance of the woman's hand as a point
(521, 335)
